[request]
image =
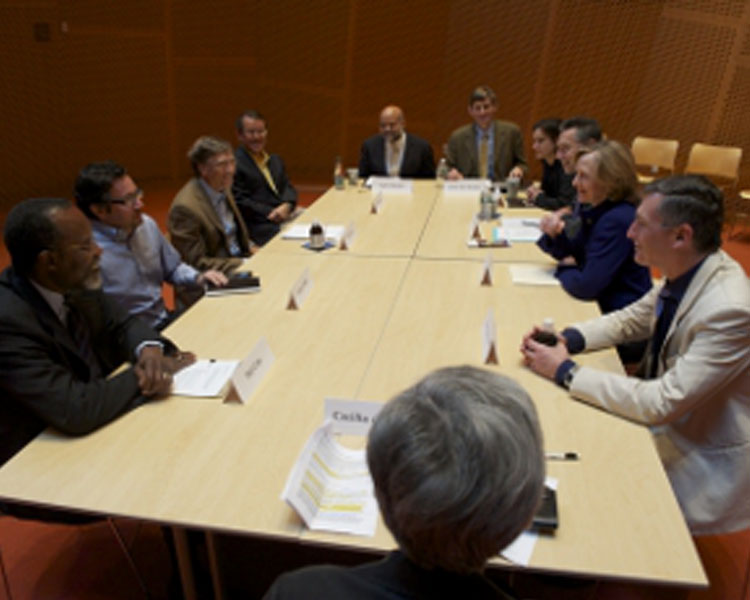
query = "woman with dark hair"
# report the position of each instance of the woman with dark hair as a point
(556, 190)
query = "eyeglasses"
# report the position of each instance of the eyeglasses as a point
(130, 198)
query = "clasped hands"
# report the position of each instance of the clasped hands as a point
(540, 358)
(154, 370)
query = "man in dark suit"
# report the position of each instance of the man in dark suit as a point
(261, 187)
(61, 335)
(204, 223)
(486, 148)
(394, 152)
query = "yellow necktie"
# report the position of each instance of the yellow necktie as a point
(483, 151)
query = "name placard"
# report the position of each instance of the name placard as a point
(465, 187)
(351, 417)
(347, 237)
(377, 203)
(489, 339)
(392, 185)
(474, 232)
(300, 290)
(486, 278)
(249, 373)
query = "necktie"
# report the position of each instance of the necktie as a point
(483, 151)
(79, 332)
(393, 159)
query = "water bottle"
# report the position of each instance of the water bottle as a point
(442, 170)
(338, 174)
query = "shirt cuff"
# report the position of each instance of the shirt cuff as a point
(574, 340)
(145, 344)
(562, 371)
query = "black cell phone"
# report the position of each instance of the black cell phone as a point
(545, 518)
(545, 337)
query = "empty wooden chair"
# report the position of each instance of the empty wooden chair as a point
(656, 156)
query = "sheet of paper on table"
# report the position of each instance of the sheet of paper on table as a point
(519, 550)
(521, 230)
(204, 378)
(301, 231)
(533, 275)
(330, 486)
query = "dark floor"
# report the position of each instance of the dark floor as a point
(85, 562)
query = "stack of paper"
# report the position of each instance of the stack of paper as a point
(330, 486)
(533, 275)
(203, 378)
(521, 230)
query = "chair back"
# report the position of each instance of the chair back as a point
(655, 153)
(715, 161)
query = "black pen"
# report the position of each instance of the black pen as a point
(561, 455)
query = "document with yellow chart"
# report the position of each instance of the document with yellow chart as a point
(330, 486)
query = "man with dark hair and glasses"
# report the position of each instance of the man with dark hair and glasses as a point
(136, 257)
(693, 386)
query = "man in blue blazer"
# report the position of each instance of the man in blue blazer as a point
(394, 152)
(261, 187)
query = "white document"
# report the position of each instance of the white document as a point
(465, 187)
(390, 185)
(301, 231)
(249, 373)
(204, 378)
(521, 230)
(351, 417)
(533, 275)
(519, 550)
(330, 487)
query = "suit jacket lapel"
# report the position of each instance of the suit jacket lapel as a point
(470, 149)
(207, 208)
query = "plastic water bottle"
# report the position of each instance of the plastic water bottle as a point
(338, 174)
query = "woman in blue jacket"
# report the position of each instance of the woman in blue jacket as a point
(596, 257)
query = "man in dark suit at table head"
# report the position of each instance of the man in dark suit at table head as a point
(458, 469)
(576, 134)
(61, 335)
(395, 153)
(263, 192)
(204, 223)
(487, 148)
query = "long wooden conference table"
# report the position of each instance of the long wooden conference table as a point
(404, 299)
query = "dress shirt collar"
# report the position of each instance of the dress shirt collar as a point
(55, 300)
(216, 198)
(112, 233)
(479, 133)
(676, 288)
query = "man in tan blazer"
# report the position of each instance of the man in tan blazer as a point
(203, 221)
(486, 148)
(694, 387)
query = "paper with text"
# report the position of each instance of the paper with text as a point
(351, 417)
(204, 378)
(521, 230)
(533, 275)
(249, 373)
(330, 487)
(300, 290)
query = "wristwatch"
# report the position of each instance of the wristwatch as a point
(568, 378)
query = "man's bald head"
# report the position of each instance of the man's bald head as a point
(392, 123)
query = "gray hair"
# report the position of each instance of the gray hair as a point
(204, 148)
(694, 200)
(458, 467)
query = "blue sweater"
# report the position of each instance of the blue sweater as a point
(605, 270)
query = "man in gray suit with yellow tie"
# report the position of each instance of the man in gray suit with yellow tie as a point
(486, 148)
(693, 389)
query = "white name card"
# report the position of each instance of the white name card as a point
(489, 340)
(249, 373)
(487, 271)
(377, 203)
(300, 290)
(347, 237)
(474, 231)
(351, 417)
(391, 185)
(465, 186)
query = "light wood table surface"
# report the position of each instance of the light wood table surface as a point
(370, 327)
(618, 516)
(447, 231)
(394, 231)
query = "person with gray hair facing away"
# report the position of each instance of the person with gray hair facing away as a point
(458, 469)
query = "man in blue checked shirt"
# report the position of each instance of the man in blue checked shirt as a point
(136, 257)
